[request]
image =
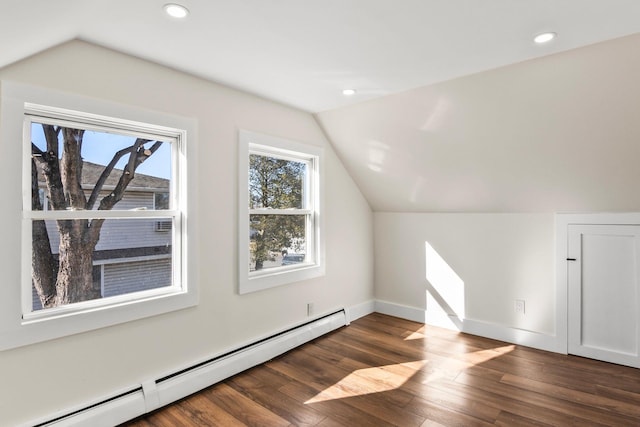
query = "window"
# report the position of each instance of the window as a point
(280, 222)
(94, 188)
(85, 169)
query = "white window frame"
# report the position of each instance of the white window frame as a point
(18, 324)
(314, 264)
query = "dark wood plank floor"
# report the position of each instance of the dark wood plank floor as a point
(385, 371)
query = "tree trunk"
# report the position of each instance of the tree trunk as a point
(42, 261)
(260, 250)
(75, 274)
(70, 279)
(43, 264)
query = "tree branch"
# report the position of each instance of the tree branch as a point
(105, 174)
(50, 167)
(138, 155)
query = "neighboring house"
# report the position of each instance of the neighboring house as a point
(132, 255)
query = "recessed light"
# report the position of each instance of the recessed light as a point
(176, 10)
(349, 92)
(544, 37)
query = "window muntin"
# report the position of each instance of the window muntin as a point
(280, 235)
(100, 205)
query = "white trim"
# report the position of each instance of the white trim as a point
(92, 121)
(169, 387)
(101, 278)
(96, 305)
(402, 311)
(96, 214)
(129, 406)
(563, 220)
(357, 311)
(514, 335)
(314, 265)
(132, 259)
(15, 298)
(474, 327)
(300, 212)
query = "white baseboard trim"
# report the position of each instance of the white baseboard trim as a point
(474, 327)
(357, 311)
(402, 311)
(143, 398)
(165, 389)
(514, 336)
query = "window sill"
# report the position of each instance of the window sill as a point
(257, 282)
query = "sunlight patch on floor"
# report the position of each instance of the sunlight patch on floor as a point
(390, 377)
(370, 380)
(417, 335)
(481, 356)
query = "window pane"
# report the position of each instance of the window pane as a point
(64, 157)
(161, 200)
(135, 276)
(276, 183)
(274, 239)
(133, 255)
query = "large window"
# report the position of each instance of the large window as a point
(83, 169)
(280, 236)
(104, 208)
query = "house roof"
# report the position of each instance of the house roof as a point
(91, 173)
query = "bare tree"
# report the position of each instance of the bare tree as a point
(68, 278)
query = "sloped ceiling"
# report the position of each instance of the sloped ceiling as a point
(555, 134)
(303, 53)
(457, 110)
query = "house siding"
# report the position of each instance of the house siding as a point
(123, 238)
(124, 278)
(124, 233)
(127, 277)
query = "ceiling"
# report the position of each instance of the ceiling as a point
(554, 134)
(303, 52)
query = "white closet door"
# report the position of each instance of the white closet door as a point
(604, 292)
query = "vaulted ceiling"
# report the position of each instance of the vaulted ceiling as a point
(303, 53)
(554, 134)
(456, 108)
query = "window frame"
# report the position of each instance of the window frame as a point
(314, 264)
(18, 324)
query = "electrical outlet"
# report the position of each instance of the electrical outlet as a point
(519, 306)
(309, 309)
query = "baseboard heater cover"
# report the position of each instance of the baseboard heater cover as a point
(154, 394)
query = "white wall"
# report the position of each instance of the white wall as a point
(44, 378)
(485, 161)
(497, 259)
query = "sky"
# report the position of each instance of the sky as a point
(99, 147)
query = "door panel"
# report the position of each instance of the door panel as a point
(604, 292)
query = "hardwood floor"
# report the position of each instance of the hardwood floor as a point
(385, 371)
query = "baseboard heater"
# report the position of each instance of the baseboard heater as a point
(153, 394)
